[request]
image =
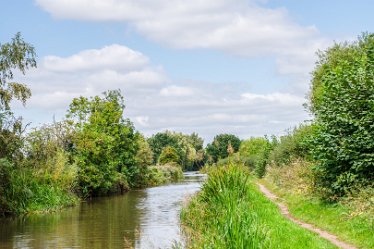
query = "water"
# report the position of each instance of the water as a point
(146, 218)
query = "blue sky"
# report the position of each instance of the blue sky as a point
(208, 66)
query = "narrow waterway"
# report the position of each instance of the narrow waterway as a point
(147, 218)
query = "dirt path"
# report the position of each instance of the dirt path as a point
(284, 210)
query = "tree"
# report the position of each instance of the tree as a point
(188, 147)
(144, 155)
(14, 55)
(169, 155)
(342, 97)
(218, 148)
(105, 143)
(161, 140)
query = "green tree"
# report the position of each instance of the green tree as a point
(19, 55)
(218, 148)
(144, 155)
(161, 140)
(105, 143)
(256, 151)
(169, 155)
(189, 147)
(14, 55)
(342, 100)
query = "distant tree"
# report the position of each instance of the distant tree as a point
(161, 140)
(144, 155)
(218, 148)
(169, 155)
(188, 147)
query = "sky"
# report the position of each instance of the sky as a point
(207, 66)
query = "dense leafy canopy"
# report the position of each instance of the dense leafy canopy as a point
(104, 143)
(218, 149)
(188, 147)
(343, 104)
(168, 155)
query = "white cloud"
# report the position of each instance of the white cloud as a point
(58, 79)
(240, 27)
(176, 91)
(276, 98)
(114, 57)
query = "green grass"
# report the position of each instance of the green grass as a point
(333, 217)
(231, 213)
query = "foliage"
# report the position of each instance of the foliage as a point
(21, 190)
(218, 149)
(295, 144)
(11, 142)
(144, 155)
(104, 143)
(168, 155)
(342, 101)
(164, 174)
(256, 152)
(188, 147)
(230, 212)
(14, 55)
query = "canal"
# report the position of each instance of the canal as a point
(147, 218)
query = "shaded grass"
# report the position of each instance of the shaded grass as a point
(230, 212)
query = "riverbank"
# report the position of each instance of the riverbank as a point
(231, 212)
(44, 198)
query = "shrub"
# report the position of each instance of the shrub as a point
(342, 100)
(294, 145)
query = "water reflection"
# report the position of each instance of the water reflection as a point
(140, 219)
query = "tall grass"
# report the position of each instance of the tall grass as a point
(230, 212)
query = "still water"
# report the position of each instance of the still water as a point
(147, 218)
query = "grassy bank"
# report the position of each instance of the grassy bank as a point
(31, 193)
(230, 212)
(351, 218)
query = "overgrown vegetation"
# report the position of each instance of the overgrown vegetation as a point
(230, 212)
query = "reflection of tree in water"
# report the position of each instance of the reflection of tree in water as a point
(102, 223)
(110, 222)
(39, 230)
(129, 221)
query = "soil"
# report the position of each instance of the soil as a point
(284, 210)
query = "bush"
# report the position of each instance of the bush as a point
(255, 152)
(294, 145)
(163, 174)
(342, 100)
